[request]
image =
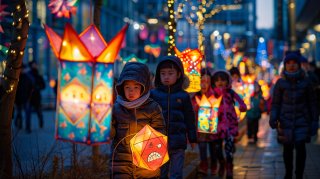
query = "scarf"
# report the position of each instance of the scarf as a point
(132, 104)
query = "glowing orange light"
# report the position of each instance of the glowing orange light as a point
(149, 148)
(191, 60)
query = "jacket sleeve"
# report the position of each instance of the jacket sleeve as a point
(157, 119)
(312, 105)
(275, 105)
(243, 106)
(190, 120)
(113, 125)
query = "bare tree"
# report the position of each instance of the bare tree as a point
(9, 81)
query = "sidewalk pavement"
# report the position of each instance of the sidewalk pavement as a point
(264, 160)
(35, 151)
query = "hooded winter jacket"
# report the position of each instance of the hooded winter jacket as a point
(293, 110)
(128, 121)
(177, 108)
(227, 117)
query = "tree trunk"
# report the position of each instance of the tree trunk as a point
(9, 81)
(96, 21)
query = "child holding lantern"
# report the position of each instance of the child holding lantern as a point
(208, 139)
(133, 109)
(228, 122)
(178, 112)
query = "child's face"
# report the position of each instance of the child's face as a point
(169, 76)
(132, 90)
(221, 83)
(291, 66)
(235, 77)
(205, 83)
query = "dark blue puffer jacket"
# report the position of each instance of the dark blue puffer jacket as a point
(293, 110)
(176, 108)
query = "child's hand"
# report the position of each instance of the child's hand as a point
(193, 145)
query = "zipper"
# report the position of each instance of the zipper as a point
(168, 118)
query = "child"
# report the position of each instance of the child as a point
(294, 114)
(254, 113)
(204, 140)
(178, 112)
(228, 122)
(132, 110)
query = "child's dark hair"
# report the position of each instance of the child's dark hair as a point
(234, 70)
(222, 75)
(168, 64)
(206, 71)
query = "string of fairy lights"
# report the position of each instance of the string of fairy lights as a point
(171, 27)
(20, 20)
(197, 17)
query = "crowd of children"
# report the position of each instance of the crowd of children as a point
(169, 109)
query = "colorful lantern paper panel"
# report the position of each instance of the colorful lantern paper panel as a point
(85, 83)
(208, 114)
(191, 60)
(75, 96)
(101, 102)
(149, 148)
(239, 89)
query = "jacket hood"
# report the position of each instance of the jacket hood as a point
(292, 56)
(135, 71)
(224, 71)
(177, 62)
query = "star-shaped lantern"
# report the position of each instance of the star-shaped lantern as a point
(149, 148)
(85, 83)
(208, 114)
(191, 60)
(63, 8)
(2, 14)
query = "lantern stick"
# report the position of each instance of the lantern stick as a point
(115, 150)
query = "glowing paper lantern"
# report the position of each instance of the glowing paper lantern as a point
(248, 87)
(161, 34)
(153, 49)
(143, 34)
(208, 114)
(149, 148)
(191, 60)
(85, 80)
(133, 58)
(63, 8)
(2, 14)
(239, 89)
(265, 89)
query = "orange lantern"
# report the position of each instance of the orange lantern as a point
(238, 87)
(149, 148)
(208, 114)
(265, 89)
(191, 60)
(85, 83)
(248, 88)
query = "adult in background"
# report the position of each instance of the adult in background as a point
(23, 95)
(35, 100)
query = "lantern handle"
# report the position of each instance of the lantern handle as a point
(115, 150)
